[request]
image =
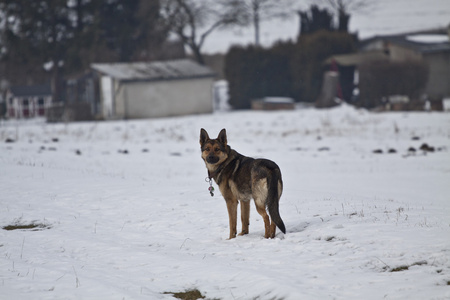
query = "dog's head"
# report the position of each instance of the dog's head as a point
(214, 151)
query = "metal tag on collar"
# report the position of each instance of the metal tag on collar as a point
(211, 188)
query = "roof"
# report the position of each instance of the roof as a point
(31, 90)
(355, 59)
(414, 41)
(153, 71)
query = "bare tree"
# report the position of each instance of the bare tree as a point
(194, 20)
(258, 10)
(346, 6)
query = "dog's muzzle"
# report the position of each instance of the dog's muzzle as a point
(211, 159)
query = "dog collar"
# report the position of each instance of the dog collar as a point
(211, 188)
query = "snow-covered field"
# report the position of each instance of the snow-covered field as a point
(124, 210)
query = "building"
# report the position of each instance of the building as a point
(430, 47)
(28, 101)
(154, 89)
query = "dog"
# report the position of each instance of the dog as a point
(241, 178)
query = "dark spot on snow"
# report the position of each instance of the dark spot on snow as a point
(399, 269)
(55, 140)
(78, 152)
(175, 154)
(415, 138)
(378, 151)
(406, 267)
(188, 295)
(411, 149)
(145, 150)
(324, 149)
(9, 140)
(31, 227)
(123, 151)
(425, 147)
(51, 149)
(392, 150)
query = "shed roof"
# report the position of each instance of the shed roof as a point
(355, 59)
(409, 41)
(31, 90)
(153, 71)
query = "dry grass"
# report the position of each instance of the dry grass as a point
(31, 226)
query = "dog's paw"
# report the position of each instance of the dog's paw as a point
(232, 237)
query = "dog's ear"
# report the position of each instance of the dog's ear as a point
(203, 136)
(223, 137)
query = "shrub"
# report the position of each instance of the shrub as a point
(254, 72)
(285, 70)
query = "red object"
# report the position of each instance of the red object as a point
(334, 67)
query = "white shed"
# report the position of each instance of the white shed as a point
(154, 89)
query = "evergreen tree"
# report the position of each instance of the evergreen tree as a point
(314, 20)
(66, 36)
(36, 32)
(310, 52)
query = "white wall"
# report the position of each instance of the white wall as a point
(106, 84)
(166, 98)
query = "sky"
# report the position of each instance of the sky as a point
(382, 17)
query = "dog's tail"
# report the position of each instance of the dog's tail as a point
(275, 188)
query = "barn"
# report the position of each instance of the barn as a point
(154, 89)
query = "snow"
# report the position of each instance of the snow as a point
(130, 215)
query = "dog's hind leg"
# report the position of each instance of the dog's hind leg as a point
(262, 211)
(273, 229)
(232, 215)
(245, 216)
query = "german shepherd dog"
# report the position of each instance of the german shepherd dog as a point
(241, 178)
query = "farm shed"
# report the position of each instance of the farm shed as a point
(154, 89)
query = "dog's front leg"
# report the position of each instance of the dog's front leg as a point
(232, 215)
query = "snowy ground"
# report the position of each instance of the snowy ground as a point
(126, 214)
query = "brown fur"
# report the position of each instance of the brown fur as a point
(241, 178)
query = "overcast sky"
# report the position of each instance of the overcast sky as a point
(383, 17)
